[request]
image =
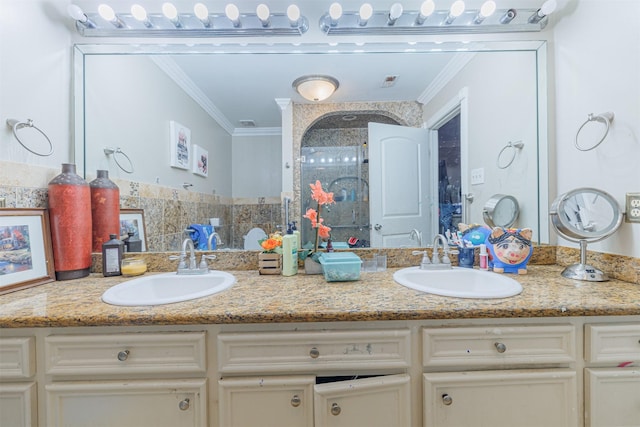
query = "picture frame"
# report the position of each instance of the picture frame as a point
(26, 253)
(200, 161)
(180, 145)
(133, 220)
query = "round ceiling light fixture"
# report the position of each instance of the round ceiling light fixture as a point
(315, 87)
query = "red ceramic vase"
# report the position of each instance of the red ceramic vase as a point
(105, 210)
(70, 218)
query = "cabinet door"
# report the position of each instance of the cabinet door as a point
(612, 397)
(133, 403)
(379, 401)
(18, 406)
(280, 401)
(501, 398)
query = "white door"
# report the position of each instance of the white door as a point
(379, 401)
(399, 185)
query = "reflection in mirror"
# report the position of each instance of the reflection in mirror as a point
(128, 95)
(585, 215)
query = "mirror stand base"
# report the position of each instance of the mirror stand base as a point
(584, 272)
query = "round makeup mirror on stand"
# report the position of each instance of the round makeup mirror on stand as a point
(501, 211)
(585, 215)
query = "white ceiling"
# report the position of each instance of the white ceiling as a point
(245, 86)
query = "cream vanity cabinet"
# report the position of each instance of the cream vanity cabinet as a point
(18, 391)
(315, 378)
(500, 376)
(128, 379)
(612, 378)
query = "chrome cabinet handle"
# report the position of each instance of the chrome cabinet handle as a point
(296, 401)
(314, 353)
(123, 355)
(335, 409)
(500, 347)
(184, 405)
(446, 399)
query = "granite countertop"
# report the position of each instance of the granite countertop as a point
(301, 298)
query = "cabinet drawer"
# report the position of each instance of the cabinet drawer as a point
(17, 357)
(74, 355)
(313, 351)
(498, 346)
(612, 343)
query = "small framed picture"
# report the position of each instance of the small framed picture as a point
(200, 161)
(132, 221)
(26, 255)
(180, 145)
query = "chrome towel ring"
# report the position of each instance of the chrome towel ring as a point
(115, 151)
(514, 146)
(16, 125)
(605, 118)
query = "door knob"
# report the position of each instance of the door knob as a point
(500, 347)
(335, 409)
(184, 405)
(446, 399)
(314, 353)
(123, 355)
(377, 227)
(296, 401)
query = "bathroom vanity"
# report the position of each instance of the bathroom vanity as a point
(300, 351)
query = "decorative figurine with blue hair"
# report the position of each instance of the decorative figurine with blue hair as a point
(510, 249)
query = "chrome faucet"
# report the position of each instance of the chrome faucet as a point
(219, 241)
(435, 261)
(192, 267)
(417, 236)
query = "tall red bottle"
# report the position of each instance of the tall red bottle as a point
(70, 218)
(105, 210)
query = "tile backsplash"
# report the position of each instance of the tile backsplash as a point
(167, 211)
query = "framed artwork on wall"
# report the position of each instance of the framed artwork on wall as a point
(132, 221)
(200, 161)
(180, 145)
(26, 254)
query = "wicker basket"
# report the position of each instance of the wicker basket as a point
(269, 263)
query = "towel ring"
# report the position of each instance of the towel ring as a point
(605, 118)
(16, 125)
(110, 150)
(515, 146)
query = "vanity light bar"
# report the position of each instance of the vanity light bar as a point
(189, 25)
(438, 22)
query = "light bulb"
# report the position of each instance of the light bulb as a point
(138, 12)
(365, 13)
(293, 13)
(457, 9)
(426, 10)
(395, 12)
(76, 13)
(335, 11)
(263, 13)
(487, 9)
(549, 7)
(202, 13)
(106, 12)
(169, 11)
(233, 13)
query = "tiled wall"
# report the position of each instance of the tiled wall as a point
(167, 211)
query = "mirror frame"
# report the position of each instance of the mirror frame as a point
(537, 46)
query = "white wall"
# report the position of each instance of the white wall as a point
(129, 103)
(597, 68)
(502, 80)
(35, 77)
(256, 166)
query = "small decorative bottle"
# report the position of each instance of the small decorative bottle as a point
(70, 218)
(105, 209)
(112, 256)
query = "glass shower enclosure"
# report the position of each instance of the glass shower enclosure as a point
(342, 170)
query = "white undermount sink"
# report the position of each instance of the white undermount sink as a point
(167, 288)
(458, 282)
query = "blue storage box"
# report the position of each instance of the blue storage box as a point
(340, 266)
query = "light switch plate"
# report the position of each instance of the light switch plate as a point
(477, 176)
(632, 209)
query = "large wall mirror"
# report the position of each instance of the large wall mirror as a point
(126, 96)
